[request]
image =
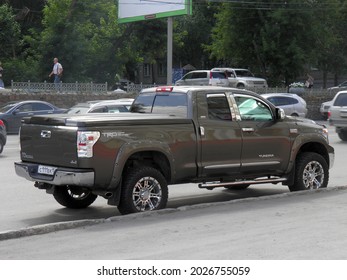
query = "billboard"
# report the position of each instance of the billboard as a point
(136, 10)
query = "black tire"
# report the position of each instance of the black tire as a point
(144, 189)
(343, 135)
(241, 86)
(73, 197)
(1, 146)
(237, 187)
(311, 172)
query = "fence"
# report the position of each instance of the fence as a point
(30, 87)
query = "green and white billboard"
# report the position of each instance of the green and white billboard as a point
(137, 10)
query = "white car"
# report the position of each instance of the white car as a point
(204, 78)
(292, 104)
(102, 106)
(342, 86)
(324, 108)
(242, 78)
(338, 114)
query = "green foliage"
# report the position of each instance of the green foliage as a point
(10, 34)
(193, 33)
(279, 40)
(20, 70)
(86, 38)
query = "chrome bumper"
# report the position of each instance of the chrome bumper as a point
(62, 176)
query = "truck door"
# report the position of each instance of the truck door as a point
(266, 141)
(220, 139)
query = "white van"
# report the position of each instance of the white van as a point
(204, 78)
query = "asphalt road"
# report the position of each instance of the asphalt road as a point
(295, 226)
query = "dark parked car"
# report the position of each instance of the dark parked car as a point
(12, 113)
(3, 136)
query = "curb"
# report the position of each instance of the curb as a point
(53, 227)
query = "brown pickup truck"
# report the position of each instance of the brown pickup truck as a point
(214, 136)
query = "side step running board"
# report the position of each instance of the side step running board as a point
(238, 183)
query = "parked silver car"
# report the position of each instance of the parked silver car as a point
(102, 106)
(338, 114)
(342, 86)
(204, 78)
(242, 78)
(324, 109)
(292, 104)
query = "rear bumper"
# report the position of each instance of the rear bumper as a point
(61, 176)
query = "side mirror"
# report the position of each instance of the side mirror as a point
(280, 114)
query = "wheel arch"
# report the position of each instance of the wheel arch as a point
(300, 147)
(153, 158)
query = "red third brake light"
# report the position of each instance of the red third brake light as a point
(164, 89)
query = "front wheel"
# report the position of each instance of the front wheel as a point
(144, 189)
(73, 197)
(311, 172)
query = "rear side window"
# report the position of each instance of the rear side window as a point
(199, 75)
(41, 107)
(281, 101)
(218, 108)
(219, 75)
(341, 100)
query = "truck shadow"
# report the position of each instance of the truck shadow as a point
(178, 197)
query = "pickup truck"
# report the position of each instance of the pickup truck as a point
(213, 136)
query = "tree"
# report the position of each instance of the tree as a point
(193, 33)
(269, 37)
(10, 33)
(86, 38)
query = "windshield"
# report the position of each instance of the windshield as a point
(6, 108)
(79, 109)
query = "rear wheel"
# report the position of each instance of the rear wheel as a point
(311, 172)
(343, 135)
(73, 197)
(1, 146)
(144, 189)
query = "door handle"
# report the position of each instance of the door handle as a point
(202, 131)
(248, 129)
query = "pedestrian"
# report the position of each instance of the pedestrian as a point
(309, 81)
(1, 81)
(57, 72)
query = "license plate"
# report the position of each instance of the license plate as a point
(343, 114)
(46, 170)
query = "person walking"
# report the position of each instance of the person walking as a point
(57, 71)
(1, 81)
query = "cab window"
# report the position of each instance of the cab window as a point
(218, 107)
(252, 109)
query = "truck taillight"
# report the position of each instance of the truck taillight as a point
(329, 114)
(85, 143)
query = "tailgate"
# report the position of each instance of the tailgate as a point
(49, 145)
